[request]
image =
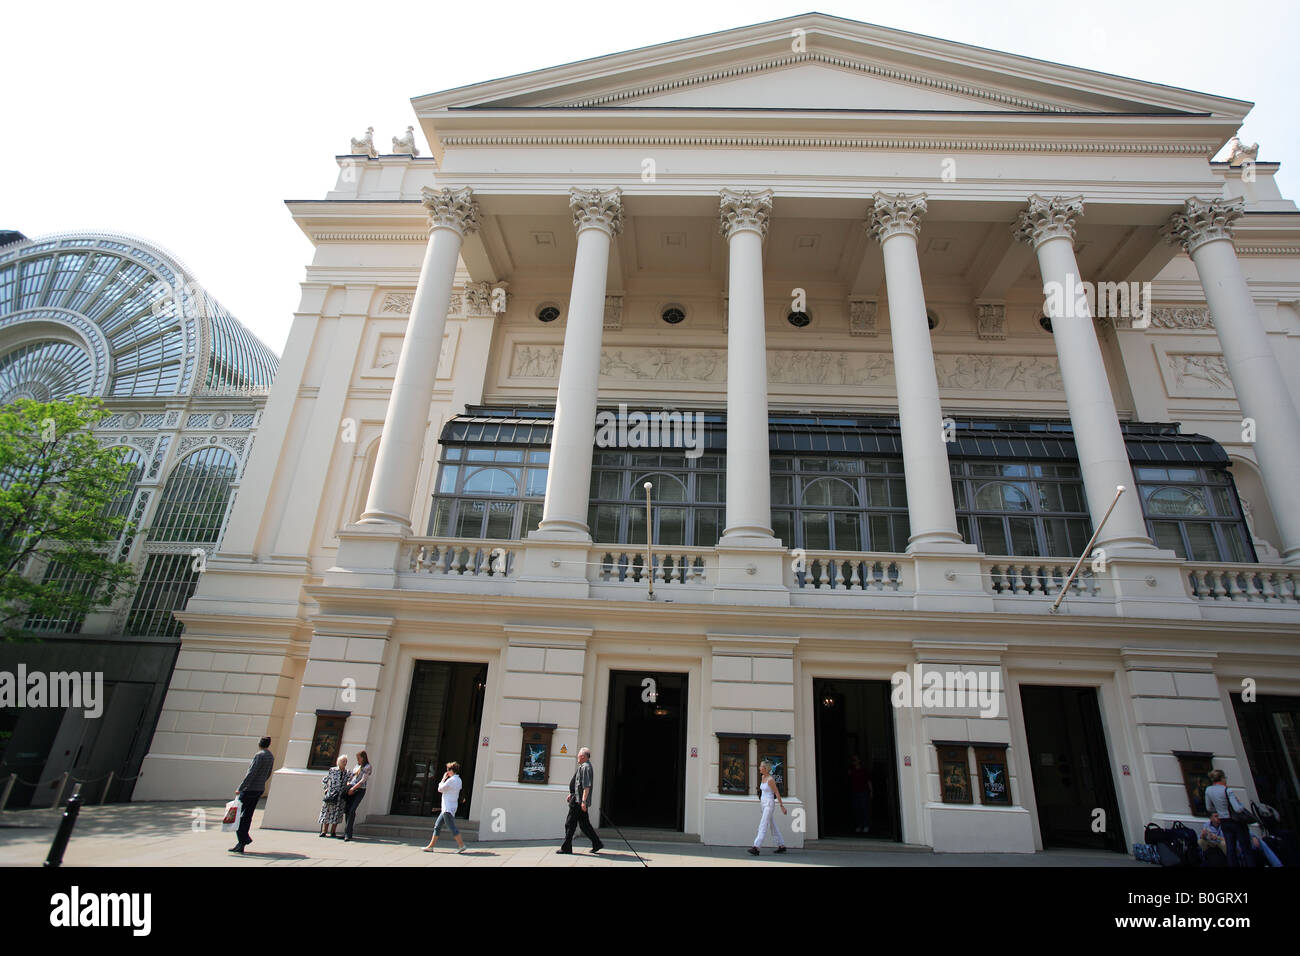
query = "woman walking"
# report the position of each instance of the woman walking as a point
(331, 806)
(771, 797)
(355, 792)
(449, 787)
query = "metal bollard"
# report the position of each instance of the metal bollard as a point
(63, 785)
(65, 828)
(4, 799)
(107, 786)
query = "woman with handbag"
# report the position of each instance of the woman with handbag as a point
(1234, 819)
(331, 807)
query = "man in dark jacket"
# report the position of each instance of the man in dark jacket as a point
(251, 790)
(579, 804)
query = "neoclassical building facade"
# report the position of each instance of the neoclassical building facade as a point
(118, 318)
(886, 322)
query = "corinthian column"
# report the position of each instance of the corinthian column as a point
(744, 219)
(895, 221)
(1048, 224)
(598, 217)
(453, 215)
(1204, 229)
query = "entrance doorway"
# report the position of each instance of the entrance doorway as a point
(1071, 768)
(644, 781)
(1270, 732)
(854, 719)
(443, 713)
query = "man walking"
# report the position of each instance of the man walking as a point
(251, 790)
(579, 803)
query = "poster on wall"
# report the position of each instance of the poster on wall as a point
(995, 780)
(954, 774)
(535, 753)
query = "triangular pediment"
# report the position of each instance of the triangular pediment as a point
(818, 62)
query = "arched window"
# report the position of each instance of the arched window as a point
(126, 490)
(194, 500)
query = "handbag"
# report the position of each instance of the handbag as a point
(1238, 813)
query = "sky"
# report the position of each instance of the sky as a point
(189, 125)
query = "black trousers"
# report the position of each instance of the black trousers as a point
(350, 811)
(247, 803)
(578, 818)
(1237, 836)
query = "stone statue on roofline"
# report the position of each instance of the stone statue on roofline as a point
(1238, 154)
(365, 146)
(404, 145)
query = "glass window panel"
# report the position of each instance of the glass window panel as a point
(645, 461)
(672, 526)
(666, 487)
(1023, 539)
(993, 538)
(1152, 474)
(478, 454)
(509, 454)
(781, 491)
(1184, 474)
(453, 454)
(848, 531)
(706, 527)
(844, 466)
(878, 492)
(493, 481)
(1168, 537)
(1002, 496)
(780, 464)
(1175, 501)
(604, 523)
(442, 518)
(816, 530)
(880, 527)
(1057, 533)
(447, 481)
(1235, 543)
(830, 492)
(709, 487)
(963, 529)
(1222, 502)
(609, 485)
(501, 520)
(536, 482)
(1200, 536)
(539, 457)
(532, 517)
(469, 519)
(635, 525)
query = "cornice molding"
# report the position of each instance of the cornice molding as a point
(862, 66)
(370, 236)
(828, 142)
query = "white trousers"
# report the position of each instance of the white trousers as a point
(769, 819)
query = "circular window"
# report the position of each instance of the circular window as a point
(1045, 322)
(673, 314)
(931, 319)
(547, 313)
(798, 319)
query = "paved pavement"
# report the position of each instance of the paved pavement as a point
(184, 834)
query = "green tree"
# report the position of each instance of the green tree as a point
(61, 508)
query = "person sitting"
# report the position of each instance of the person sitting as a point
(1213, 846)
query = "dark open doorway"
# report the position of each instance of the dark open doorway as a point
(1270, 732)
(644, 781)
(443, 713)
(1071, 768)
(854, 719)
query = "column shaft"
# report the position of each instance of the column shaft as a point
(1103, 457)
(597, 217)
(1258, 382)
(453, 214)
(749, 491)
(933, 518)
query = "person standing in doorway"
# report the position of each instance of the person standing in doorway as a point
(356, 791)
(579, 805)
(1220, 800)
(771, 797)
(251, 790)
(449, 787)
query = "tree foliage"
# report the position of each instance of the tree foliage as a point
(61, 509)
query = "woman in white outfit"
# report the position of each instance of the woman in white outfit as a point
(771, 797)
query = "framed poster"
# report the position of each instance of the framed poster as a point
(535, 753)
(733, 763)
(995, 779)
(954, 773)
(1196, 766)
(327, 739)
(773, 750)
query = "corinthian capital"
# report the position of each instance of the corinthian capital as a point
(896, 215)
(597, 209)
(1202, 221)
(744, 209)
(1045, 219)
(451, 208)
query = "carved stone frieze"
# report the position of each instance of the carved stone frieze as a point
(991, 320)
(613, 312)
(862, 316)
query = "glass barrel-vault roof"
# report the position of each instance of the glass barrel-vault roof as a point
(142, 324)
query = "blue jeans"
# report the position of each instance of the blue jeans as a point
(445, 819)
